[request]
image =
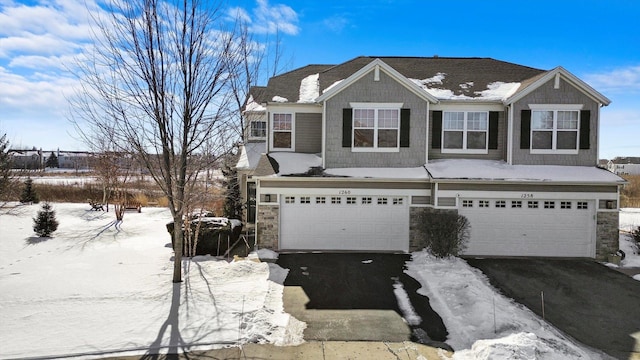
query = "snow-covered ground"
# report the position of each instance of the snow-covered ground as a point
(92, 289)
(95, 290)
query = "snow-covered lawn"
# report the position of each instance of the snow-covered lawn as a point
(94, 290)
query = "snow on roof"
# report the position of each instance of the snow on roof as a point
(295, 163)
(495, 91)
(381, 173)
(279, 99)
(252, 105)
(331, 86)
(309, 89)
(498, 170)
(250, 155)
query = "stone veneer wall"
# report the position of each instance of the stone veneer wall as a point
(607, 234)
(268, 226)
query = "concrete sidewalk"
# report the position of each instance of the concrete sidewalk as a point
(314, 350)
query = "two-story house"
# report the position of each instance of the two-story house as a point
(345, 157)
(624, 165)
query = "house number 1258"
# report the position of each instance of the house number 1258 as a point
(526, 196)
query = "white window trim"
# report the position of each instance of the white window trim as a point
(293, 131)
(464, 150)
(376, 107)
(266, 130)
(555, 108)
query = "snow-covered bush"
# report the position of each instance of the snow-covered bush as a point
(444, 233)
(45, 223)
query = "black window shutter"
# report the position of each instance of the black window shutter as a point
(346, 127)
(436, 130)
(405, 121)
(525, 129)
(585, 123)
(493, 129)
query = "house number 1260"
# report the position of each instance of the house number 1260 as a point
(344, 192)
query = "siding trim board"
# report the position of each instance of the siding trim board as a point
(345, 184)
(519, 187)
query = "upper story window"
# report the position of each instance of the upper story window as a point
(282, 133)
(258, 129)
(554, 130)
(465, 132)
(376, 129)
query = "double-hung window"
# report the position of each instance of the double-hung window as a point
(554, 130)
(282, 133)
(465, 132)
(376, 129)
(258, 129)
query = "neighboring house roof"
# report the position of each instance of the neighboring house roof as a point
(493, 170)
(250, 155)
(626, 160)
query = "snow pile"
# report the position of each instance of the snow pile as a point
(498, 91)
(471, 310)
(309, 89)
(500, 170)
(279, 99)
(252, 105)
(295, 163)
(629, 220)
(95, 290)
(380, 173)
(331, 86)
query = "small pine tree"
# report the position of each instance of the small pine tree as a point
(46, 222)
(52, 161)
(29, 194)
(233, 202)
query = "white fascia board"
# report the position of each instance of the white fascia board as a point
(526, 182)
(458, 105)
(294, 107)
(567, 76)
(410, 85)
(530, 195)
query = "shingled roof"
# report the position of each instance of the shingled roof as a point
(463, 77)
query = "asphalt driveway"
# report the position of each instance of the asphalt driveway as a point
(596, 305)
(350, 296)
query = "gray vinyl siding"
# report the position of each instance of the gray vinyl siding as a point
(496, 154)
(446, 201)
(308, 133)
(346, 184)
(529, 188)
(386, 90)
(566, 94)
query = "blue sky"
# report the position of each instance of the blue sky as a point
(597, 41)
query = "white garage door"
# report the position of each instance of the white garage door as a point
(344, 223)
(530, 227)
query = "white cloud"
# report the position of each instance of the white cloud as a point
(336, 23)
(268, 19)
(622, 79)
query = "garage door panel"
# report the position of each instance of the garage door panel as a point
(531, 232)
(344, 226)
